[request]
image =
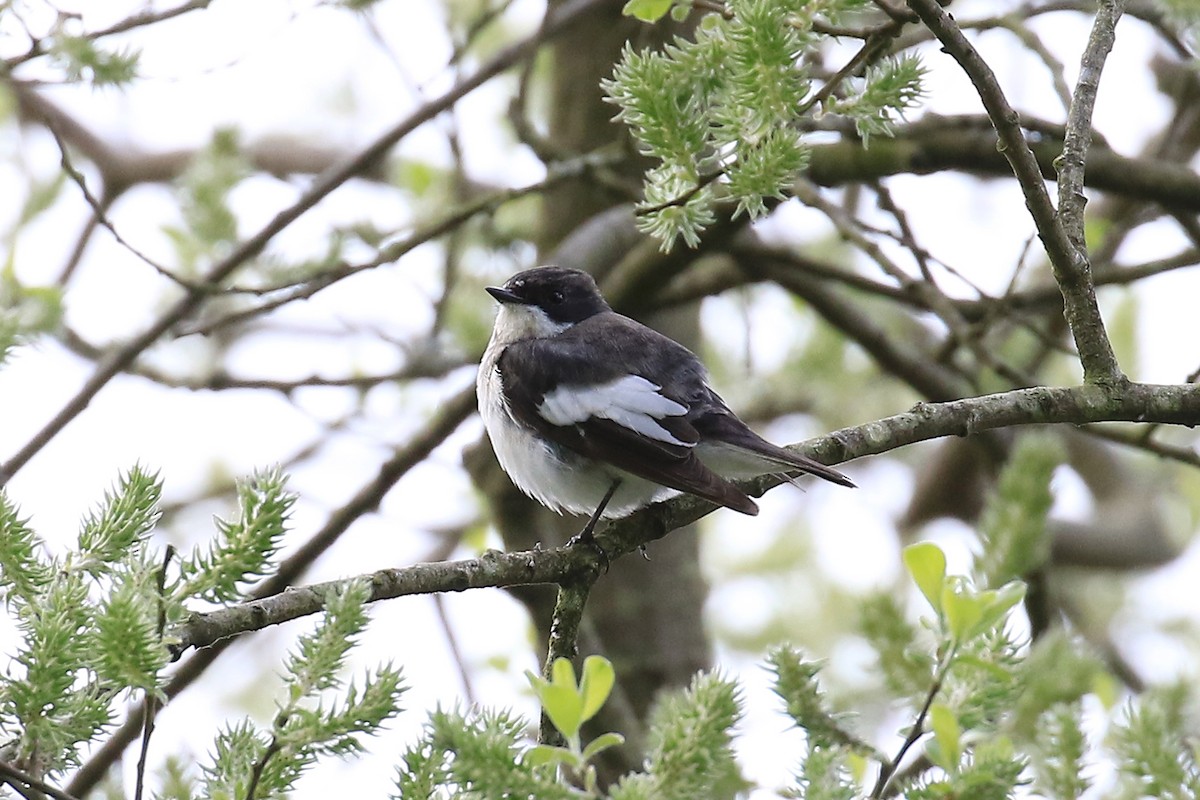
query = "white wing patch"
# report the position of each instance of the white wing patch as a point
(631, 401)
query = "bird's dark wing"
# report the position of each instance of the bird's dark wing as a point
(716, 423)
(587, 390)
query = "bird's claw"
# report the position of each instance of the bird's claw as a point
(585, 539)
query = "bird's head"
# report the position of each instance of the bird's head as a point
(543, 302)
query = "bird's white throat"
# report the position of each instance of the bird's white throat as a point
(515, 322)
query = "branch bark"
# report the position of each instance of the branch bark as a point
(1089, 403)
(1079, 291)
(941, 144)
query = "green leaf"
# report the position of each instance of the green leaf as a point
(562, 673)
(963, 609)
(560, 697)
(602, 743)
(597, 683)
(564, 706)
(996, 605)
(647, 10)
(544, 754)
(947, 735)
(927, 564)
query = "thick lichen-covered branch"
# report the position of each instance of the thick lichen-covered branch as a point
(1090, 403)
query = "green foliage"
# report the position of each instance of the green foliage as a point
(245, 545)
(23, 570)
(824, 770)
(234, 756)
(992, 713)
(210, 226)
(474, 756)
(992, 772)
(721, 112)
(690, 745)
(889, 89)
(49, 704)
(92, 620)
(42, 195)
(569, 705)
(321, 655)
(249, 762)
(1151, 744)
(1056, 670)
(904, 658)
(123, 519)
(82, 59)
(1058, 752)
(88, 623)
(647, 10)
(796, 683)
(926, 563)
(130, 624)
(824, 775)
(25, 311)
(1012, 528)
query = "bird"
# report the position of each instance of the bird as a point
(590, 412)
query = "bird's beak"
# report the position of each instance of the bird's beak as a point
(505, 296)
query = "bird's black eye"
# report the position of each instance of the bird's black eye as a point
(556, 297)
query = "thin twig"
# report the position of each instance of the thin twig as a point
(447, 224)
(886, 771)
(260, 764)
(149, 17)
(12, 775)
(99, 213)
(1094, 349)
(133, 22)
(456, 653)
(873, 48)
(1053, 66)
(151, 704)
(77, 250)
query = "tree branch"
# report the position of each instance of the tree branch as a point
(1068, 262)
(940, 144)
(1094, 349)
(1089, 403)
(18, 778)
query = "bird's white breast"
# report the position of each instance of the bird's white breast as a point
(552, 475)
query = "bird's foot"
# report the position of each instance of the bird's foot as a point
(585, 538)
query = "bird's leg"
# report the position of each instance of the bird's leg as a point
(585, 536)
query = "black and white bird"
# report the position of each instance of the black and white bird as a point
(590, 412)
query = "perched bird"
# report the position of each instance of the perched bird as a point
(593, 413)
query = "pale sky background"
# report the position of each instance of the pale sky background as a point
(299, 69)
